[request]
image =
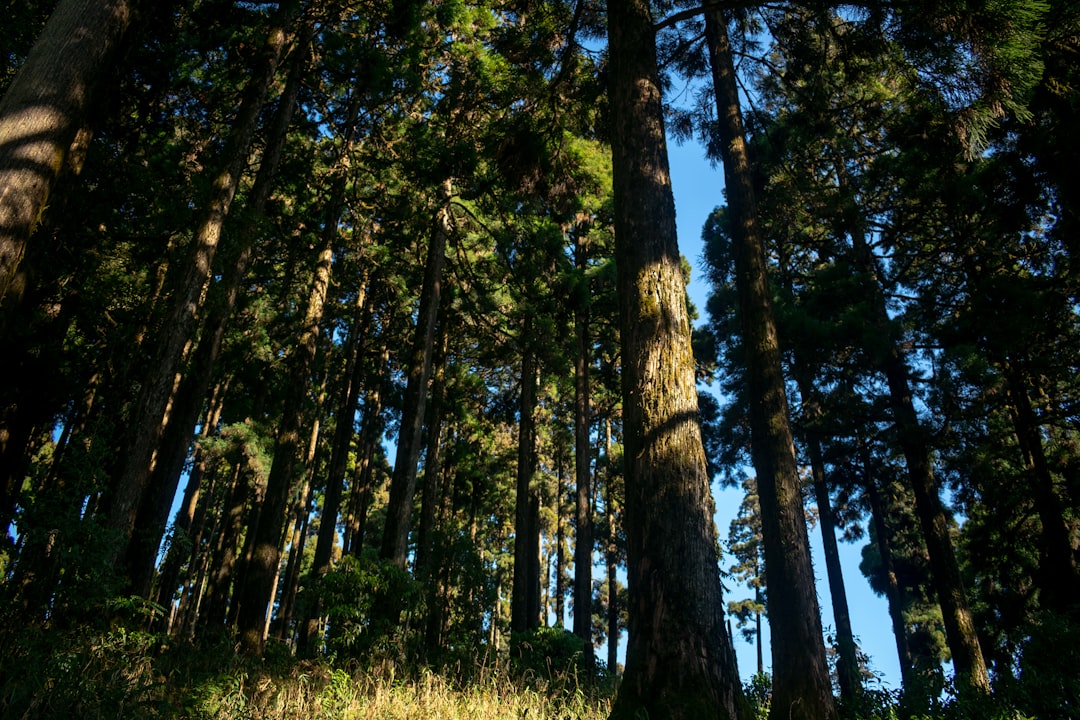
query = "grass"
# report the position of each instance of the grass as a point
(121, 674)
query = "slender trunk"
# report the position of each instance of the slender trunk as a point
(893, 592)
(525, 594)
(560, 541)
(847, 663)
(295, 559)
(187, 403)
(612, 558)
(801, 685)
(43, 110)
(223, 561)
(679, 662)
(335, 480)
(263, 568)
(429, 498)
(395, 543)
(1057, 565)
(583, 531)
(158, 389)
(180, 546)
(362, 488)
(960, 634)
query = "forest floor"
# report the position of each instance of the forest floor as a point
(124, 674)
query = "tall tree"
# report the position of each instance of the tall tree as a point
(679, 660)
(801, 686)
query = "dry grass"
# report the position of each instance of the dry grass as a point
(320, 692)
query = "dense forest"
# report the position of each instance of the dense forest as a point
(345, 347)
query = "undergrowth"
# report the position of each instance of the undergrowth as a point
(118, 673)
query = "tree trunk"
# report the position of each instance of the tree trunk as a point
(611, 556)
(335, 477)
(1057, 564)
(395, 543)
(159, 386)
(960, 634)
(185, 406)
(583, 533)
(801, 685)
(847, 662)
(43, 110)
(679, 661)
(370, 433)
(256, 591)
(893, 592)
(525, 593)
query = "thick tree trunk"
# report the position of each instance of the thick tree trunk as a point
(679, 661)
(257, 589)
(395, 542)
(525, 593)
(159, 386)
(801, 685)
(43, 110)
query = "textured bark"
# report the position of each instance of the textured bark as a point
(679, 660)
(43, 110)
(395, 542)
(801, 685)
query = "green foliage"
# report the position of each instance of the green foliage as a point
(353, 592)
(546, 653)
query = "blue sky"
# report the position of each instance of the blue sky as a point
(698, 188)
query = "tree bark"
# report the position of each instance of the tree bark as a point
(152, 408)
(395, 542)
(679, 661)
(257, 589)
(801, 685)
(43, 110)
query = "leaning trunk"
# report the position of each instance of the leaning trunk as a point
(801, 685)
(43, 110)
(403, 483)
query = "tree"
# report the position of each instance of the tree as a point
(43, 109)
(801, 685)
(679, 660)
